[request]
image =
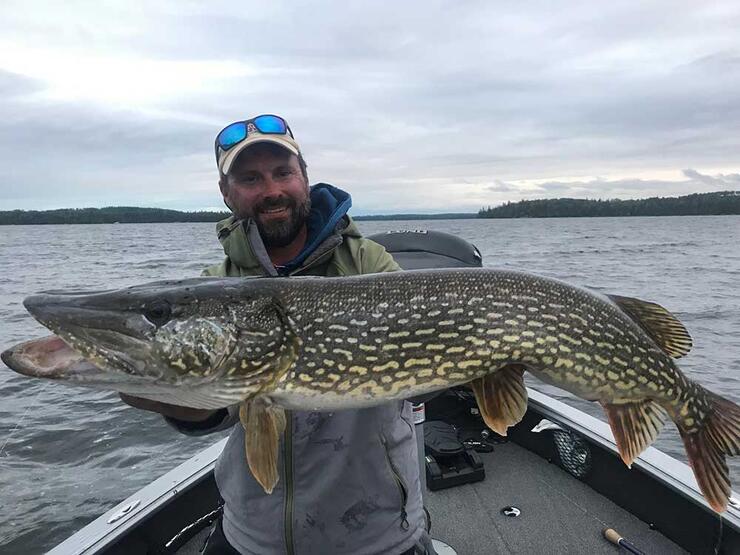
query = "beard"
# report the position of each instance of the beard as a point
(282, 233)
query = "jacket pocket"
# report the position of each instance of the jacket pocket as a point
(403, 490)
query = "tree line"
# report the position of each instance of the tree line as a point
(109, 215)
(698, 204)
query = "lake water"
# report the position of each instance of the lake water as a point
(67, 455)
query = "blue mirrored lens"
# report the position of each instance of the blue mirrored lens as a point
(270, 124)
(232, 134)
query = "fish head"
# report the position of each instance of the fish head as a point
(183, 331)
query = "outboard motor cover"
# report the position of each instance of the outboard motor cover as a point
(420, 249)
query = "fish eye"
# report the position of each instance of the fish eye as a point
(158, 313)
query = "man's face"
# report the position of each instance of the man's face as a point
(265, 183)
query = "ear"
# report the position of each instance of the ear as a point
(223, 185)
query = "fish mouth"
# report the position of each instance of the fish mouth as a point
(53, 359)
(49, 357)
(60, 312)
(101, 335)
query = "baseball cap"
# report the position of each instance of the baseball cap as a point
(266, 128)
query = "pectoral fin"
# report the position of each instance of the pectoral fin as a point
(501, 397)
(263, 426)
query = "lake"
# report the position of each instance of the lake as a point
(68, 454)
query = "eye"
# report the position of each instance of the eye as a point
(245, 179)
(158, 313)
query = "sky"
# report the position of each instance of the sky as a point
(416, 106)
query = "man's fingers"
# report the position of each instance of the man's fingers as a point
(173, 411)
(140, 403)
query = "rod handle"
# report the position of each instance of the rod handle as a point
(612, 535)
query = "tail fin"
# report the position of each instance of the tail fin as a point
(707, 448)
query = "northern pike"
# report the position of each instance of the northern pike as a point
(316, 343)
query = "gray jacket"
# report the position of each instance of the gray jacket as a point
(349, 480)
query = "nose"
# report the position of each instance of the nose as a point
(273, 188)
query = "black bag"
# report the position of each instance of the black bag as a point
(457, 406)
(448, 461)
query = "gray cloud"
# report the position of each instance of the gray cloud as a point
(401, 109)
(618, 188)
(501, 187)
(13, 85)
(727, 180)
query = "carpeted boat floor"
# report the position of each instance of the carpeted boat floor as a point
(559, 514)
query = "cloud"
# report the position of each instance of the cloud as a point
(123, 103)
(501, 187)
(13, 85)
(730, 180)
(599, 188)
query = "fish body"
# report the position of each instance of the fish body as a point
(330, 343)
(391, 336)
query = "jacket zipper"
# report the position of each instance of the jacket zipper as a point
(402, 490)
(288, 466)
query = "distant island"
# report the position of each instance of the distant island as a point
(699, 204)
(135, 215)
(109, 215)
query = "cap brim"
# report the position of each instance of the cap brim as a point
(225, 162)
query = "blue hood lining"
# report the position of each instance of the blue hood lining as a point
(328, 206)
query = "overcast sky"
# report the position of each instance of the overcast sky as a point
(415, 106)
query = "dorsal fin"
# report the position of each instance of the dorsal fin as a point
(665, 329)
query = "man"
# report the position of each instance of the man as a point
(349, 480)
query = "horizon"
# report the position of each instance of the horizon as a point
(119, 105)
(363, 215)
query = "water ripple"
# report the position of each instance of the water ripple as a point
(71, 453)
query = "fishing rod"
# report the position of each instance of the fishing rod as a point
(613, 536)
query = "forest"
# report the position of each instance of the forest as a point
(698, 204)
(109, 215)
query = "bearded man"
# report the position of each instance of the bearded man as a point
(349, 480)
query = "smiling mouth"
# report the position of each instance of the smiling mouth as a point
(274, 211)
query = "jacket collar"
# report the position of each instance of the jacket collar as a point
(328, 223)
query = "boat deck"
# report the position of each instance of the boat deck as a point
(559, 514)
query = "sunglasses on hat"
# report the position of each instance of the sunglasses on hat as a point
(267, 124)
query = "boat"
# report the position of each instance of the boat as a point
(554, 486)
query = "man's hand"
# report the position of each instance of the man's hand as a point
(173, 411)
